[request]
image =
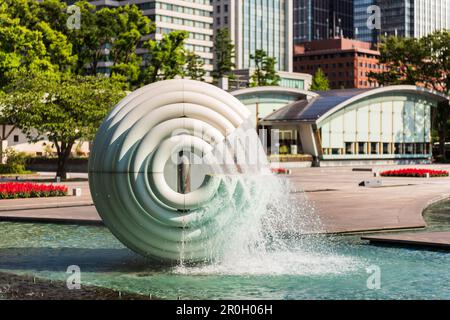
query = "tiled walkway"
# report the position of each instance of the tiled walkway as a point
(341, 204)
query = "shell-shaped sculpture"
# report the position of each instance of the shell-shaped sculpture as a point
(131, 161)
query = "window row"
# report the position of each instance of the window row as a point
(192, 35)
(183, 22)
(380, 148)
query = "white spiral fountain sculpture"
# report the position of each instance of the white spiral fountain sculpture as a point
(127, 176)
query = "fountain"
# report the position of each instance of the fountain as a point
(176, 170)
(178, 175)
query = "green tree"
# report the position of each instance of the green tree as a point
(60, 108)
(265, 73)
(166, 58)
(319, 81)
(224, 53)
(129, 28)
(421, 62)
(90, 40)
(29, 44)
(195, 67)
(111, 34)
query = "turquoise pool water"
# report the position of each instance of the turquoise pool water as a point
(311, 268)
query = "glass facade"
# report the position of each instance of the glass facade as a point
(396, 126)
(361, 17)
(414, 18)
(397, 17)
(292, 83)
(263, 27)
(322, 19)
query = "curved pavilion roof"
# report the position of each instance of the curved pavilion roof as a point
(329, 102)
(262, 91)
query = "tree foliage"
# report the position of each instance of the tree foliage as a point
(60, 108)
(195, 67)
(111, 34)
(50, 82)
(422, 62)
(28, 41)
(224, 53)
(165, 58)
(319, 81)
(265, 73)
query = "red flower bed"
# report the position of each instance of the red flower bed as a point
(410, 172)
(12, 190)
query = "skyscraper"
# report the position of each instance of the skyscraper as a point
(361, 17)
(257, 24)
(322, 19)
(408, 18)
(414, 18)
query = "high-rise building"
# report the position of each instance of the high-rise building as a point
(322, 19)
(361, 18)
(257, 24)
(194, 16)
(414, 18)
(408, 18)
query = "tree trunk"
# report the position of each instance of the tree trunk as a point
(442, 135)
(63, 155)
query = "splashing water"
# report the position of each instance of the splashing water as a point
(270, 230)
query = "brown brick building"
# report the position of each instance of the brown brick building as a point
(345, 62)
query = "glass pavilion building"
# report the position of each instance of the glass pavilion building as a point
(381, 125)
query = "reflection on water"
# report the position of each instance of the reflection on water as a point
(437, 216)
(46, 250)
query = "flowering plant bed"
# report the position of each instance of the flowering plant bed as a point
(13, 190)
(410, 172)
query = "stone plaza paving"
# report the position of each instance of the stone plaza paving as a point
(342, 205)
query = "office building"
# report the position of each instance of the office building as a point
(408, 18)
(384, 125)
(345, 62)
(364, 25)
(256, 24)
(414, 18)
(322, 19)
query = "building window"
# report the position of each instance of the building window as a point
(386, 148)
(16, 138)
(420, 148)
(349, 148)
(362, 148)
(335, 151)
(398, 148)
(409, 148)
(374, 148)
